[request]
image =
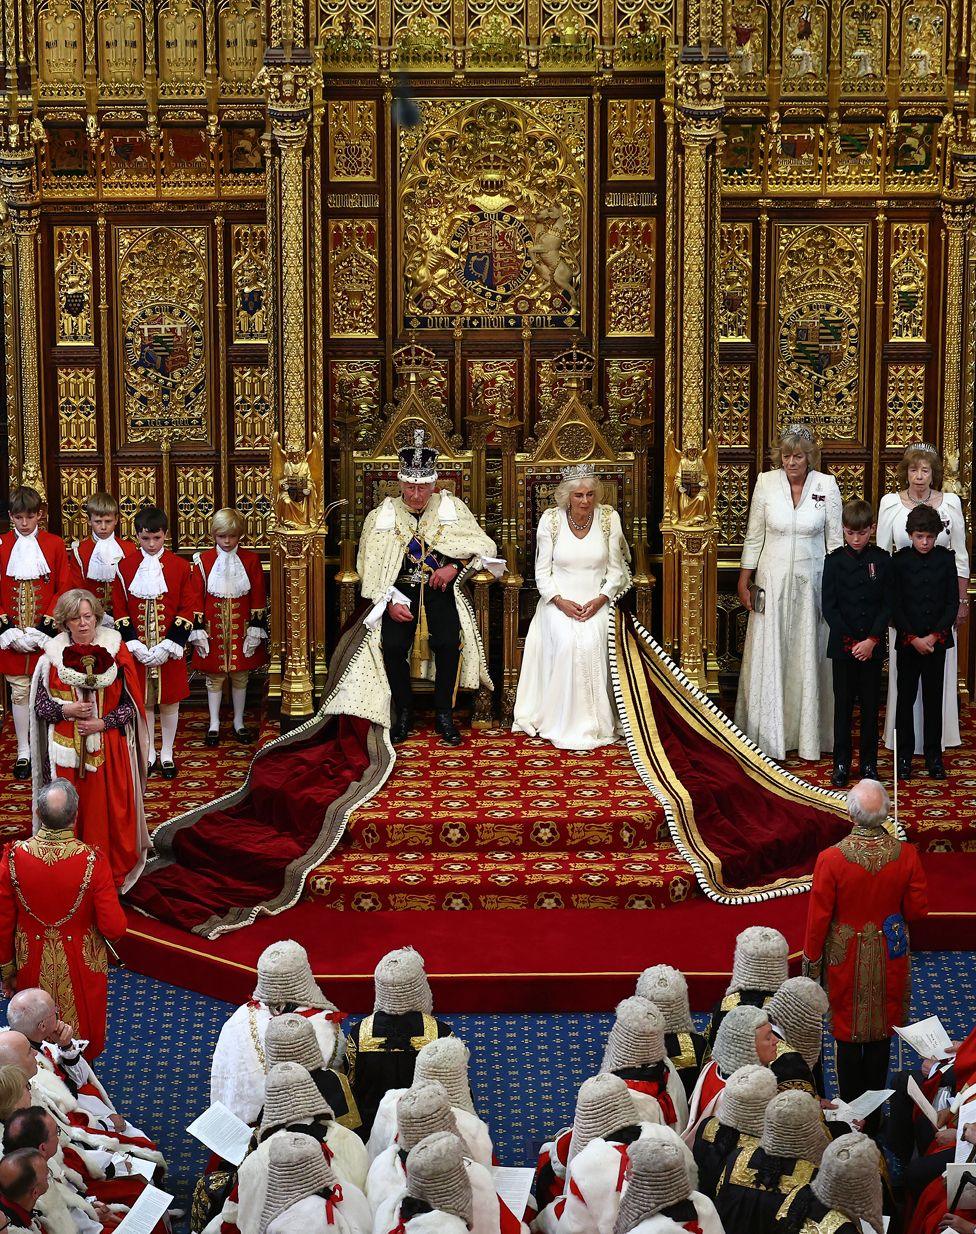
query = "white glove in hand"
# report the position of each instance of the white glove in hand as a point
(201, 642)
(251, 643)
(11, 637)
(171, 650)
(138, 650)
(36, 639)
(157, 655)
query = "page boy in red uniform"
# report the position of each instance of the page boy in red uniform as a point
(95, 559)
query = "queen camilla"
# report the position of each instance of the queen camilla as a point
(581, 569)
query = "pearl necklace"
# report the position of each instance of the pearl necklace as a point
(920, 501)
(579, 526)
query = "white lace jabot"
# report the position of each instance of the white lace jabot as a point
(26, 558)
(105, 557)
(228, 578)
(150, 581)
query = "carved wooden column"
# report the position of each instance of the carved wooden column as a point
(689, 526)
(287, 77)
(18, 185)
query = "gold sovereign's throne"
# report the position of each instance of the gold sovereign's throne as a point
(368, 466)
(576, 431)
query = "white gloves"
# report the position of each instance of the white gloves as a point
(12, 638)
(138, 650)
(35, 639)
(200, 640)
(156, 656)
(169, 650)
(253, 639)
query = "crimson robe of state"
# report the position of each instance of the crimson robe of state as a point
(79, 561)
(29, 603)
(865, 890)
(228, 618)
(171, 615)
(57, 906)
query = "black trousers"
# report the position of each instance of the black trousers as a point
(862, 1066)
(930, 670)
(856, 681)
(444, 628)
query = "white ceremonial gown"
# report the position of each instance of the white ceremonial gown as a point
(564, 690)
(785, 700)
(892, 536)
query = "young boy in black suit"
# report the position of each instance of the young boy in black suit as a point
(854, 601)
(924, 605)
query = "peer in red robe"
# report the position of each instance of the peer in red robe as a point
(58, 904)
(107, 768)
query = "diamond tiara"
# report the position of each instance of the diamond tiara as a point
(798, 430)
(579, 471)
(922, 447)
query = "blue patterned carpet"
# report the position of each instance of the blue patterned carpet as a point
(525, 1068)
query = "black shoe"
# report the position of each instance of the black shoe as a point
(444, 724)
(168, 770)
(212, 738)
(869, 771)
(842, 775)
(904, 769)
(400, 728)
(155, 768)
(245, 735)
(22, 769)
(936, 770)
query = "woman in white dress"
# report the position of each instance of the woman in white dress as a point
(919, 479)
(785, 699)
(581, 569)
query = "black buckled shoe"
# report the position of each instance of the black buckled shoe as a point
(869, 771)
(842, 775)
(22, 769)
(155, 768)
(904, 769)
(936, 769)
(444, 724)
(212, 738)
(168, 770)
(401, 726)
(245, 735)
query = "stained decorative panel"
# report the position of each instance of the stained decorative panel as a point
(820, 280)
(735, 283)
(908, 282)
(631, 276)
(732, 503)
(253, 412)
(73, 285)
(252, 497)
(733, 406)
(163, 296)
(77, 485)
(353, 278)
(195, 505)
(904, 405)
(77, 425)
(249, 277)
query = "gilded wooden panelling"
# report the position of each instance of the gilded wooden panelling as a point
(181, 49)
(550, 390)
(908, 282)
(570, 34)
(353, 278)
(253, 412)
(732, 502)
(492, 213)
(73, 280)
(77, 485)
(854, 157)
(77, 425)
(493, 388)
(249, 279)
(804, 48)
(195, 493)
(735, 283)
(820, 279)
(354, 387)
(631, 266)
(749, 46)
(732, 409)
(61, 49)
(904, 405)
(121, 48)
(850, 479)
(241, 48)
(163, 305)
(630, 139)
(135, 489)
(796, 156)
(352, 139)
(924, 37)
(864, 47)
(252, 497)
(629, 389)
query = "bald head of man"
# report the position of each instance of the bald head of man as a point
(17, 1051)
(868, 803)
(33, 1013)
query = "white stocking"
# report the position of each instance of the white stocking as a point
(238, 694)
(169, 718)
(214, 698)
(151, 726)
(22, 728)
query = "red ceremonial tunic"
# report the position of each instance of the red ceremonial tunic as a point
(171, 615)
(864, 891)
(57, 905)
(30, 602)
(227, 618)
(79, 558)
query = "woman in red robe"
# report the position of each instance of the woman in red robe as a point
(89, 726)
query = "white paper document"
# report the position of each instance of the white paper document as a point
(923, 1103)
(954, 1180)
(513, 1184)
(928, 1037)
(146, 1211)
(860, 1107)
(965, 1115)
(867, 1228)
(139, 1167)
(496, 566)
(222, 1132)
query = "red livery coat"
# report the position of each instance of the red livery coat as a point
(57, 905)
(30, 602)
(172, 615)
(80, 556)
(227, 620)
(864, 891)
